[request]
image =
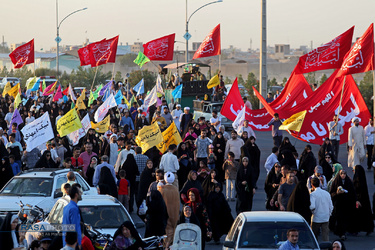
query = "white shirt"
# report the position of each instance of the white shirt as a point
(249, 130)
(213, 120)
(320, 205)
(121, 158)
(271, 160)
(369, 136)
(30, 119)
(169, 163)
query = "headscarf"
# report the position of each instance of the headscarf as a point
(133, 232)
(337, 167)
(198, 200)
(106, 179)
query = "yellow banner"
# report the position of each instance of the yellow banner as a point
(102, 126)
(7, 88)
(31, 83)
(79, 103)
(149, 136)
(14, 91)
(294, 122)
(69, 123)
(213, 82)
(170, 136)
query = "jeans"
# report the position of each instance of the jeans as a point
(277, 140)
(316, 228)
(335, 147)
(230, 187)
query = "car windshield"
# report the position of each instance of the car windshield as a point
(217, 107)
(104, 216)
(28, 187)
(272, 234)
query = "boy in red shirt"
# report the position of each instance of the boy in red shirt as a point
(123, 188)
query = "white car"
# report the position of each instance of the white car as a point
(4, 81)
(103, 212)
(268, 230)
(41, 187)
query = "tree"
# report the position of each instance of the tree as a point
(23, 74)
(227, 81)
(45, 72)
(310, 78)
(84, 77)
(128, 60)
(273, 82)
(323, 79)
(118, 76)
(284, 81)
(365, 87)
(148, 76)
(240, 80)
(251, 82)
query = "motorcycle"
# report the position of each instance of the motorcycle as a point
(29, 214)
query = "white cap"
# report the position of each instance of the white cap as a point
(178, 105)
(186, 108)
(169, 177)
(114, 135)
(356, 118)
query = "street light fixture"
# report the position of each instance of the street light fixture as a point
(187, 36)
(58, 38)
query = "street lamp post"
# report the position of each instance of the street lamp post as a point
(187, 36)
(58, 38)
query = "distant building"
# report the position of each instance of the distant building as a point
(13, 46)
(136, 47)
(196, 45)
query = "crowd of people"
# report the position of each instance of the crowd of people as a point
(207, 171)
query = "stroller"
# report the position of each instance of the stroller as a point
(187, 237)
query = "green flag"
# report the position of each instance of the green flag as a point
(72, 106)
(141, 59)
(44, 84)
(132, 100)
(94, 95)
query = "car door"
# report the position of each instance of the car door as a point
(85, 187)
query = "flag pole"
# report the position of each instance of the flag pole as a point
(96, 71)
(342, 93)
(220, 62)
(113, 70)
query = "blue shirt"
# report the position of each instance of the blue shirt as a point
(71, 215)
(134, 115)
(287, 245)
(127, 121)
(95, 178)
(275, 127)
(16, 168)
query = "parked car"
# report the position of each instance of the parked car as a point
(48, 79)
(243, 90)
(4, 81)
(204, 109)
(41, 187)
(268, 230)
(103, 212)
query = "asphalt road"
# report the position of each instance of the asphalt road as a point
(265, 144)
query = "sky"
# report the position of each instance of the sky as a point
(294, 22)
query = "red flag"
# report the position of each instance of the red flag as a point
(84, 55)
(360, 57)
(103, 52)
(327, 56)
(160, 49)
(23, 55)
(233, 103)
(66, 91)
(210, 45)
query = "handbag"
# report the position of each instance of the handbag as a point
(143, 208)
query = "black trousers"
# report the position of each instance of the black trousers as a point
(369, 155)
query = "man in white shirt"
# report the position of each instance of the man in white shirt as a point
(271, 159)
(369, 133)
(121, 158)
(234, 145)
(215, 120)
(176, 113)
(321, 208)
(246, 127)
(8, 116)
(169, 163)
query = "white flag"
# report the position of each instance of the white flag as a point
(101, 112)
(238, 123)
(37, 132)
(71, 93)
(150, 99)
(159, 88)
(78, 134)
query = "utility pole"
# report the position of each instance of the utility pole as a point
(263, 53)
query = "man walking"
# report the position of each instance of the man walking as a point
(369, 133)
(71, 214)
(321, 207)
(277, 135)
(356, 143)
(335, 130)
(286, 190)
(234, 145)
(169, 163)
